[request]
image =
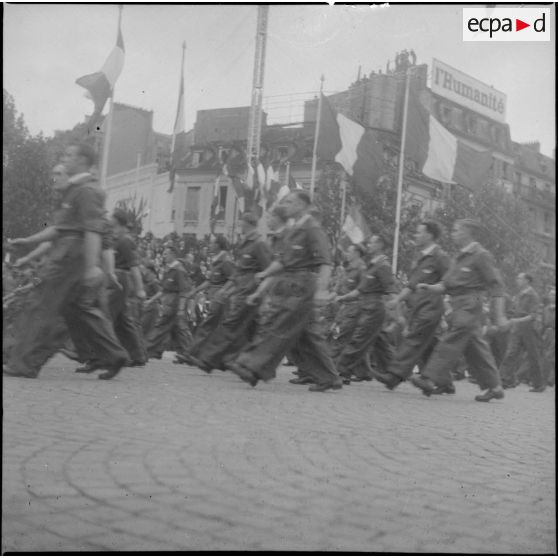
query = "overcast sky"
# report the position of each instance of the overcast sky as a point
(46, 47)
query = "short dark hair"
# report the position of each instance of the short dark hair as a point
(432, 228)
(250, 218)
(381, 238)
(221, 243)
(170, 248)
(528, 276)
(358, 248)
(280, 212)
(121, 217)
(474, 227)
(85, 150)
(302, 196)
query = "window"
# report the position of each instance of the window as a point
(505, 170)
(518, 178)
(222, 202)
(192, 206)
(532, 182)
(173, 214)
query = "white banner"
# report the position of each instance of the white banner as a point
(468, 91)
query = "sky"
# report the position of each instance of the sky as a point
(48, 46)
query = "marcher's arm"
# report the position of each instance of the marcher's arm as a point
(50, 233)
(273, 268)
(262, 288)
(35, 254)
(435, 288)
(92, 255)
(355, 293)
(138, 281)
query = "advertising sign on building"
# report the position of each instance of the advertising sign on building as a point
(467, 91)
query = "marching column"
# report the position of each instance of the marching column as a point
(290, 315)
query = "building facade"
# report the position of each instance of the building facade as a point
(471, 110)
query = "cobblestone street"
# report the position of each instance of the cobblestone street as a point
(167, 458)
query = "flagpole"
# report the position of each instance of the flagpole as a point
(108, 130)
(316, 133)
(343, 200)
(400, 174)
(178, 111)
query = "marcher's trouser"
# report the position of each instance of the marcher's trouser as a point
(120, 307)
(149, 317)
(463, 337)
(523, 337)
(236, 327)
(498, 342)
(290, 318)
(345, 323)
(420, 338)
(62, 292)
(353, 360)
(381, 353)
(205, 329)
(169, 328)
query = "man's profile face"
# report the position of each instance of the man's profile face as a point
(71, 159)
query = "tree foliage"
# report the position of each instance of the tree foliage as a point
(507, 229)
(377, 205)
(27, 162)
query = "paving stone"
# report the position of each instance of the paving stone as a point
(169, 459)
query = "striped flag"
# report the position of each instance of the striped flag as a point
(357, 149)
(272, 183)
(354, 230)
(439, 154)
(179, 147)
(100, 85)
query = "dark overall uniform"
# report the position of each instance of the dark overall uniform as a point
(524, 337)
(169, 327)
(290, 315)
(377, 281)
(549, 343)
(345, 319)
(471, 273)
(238, 322)
(121, 300)
(219, 273)
(425, 312)
(62, 290)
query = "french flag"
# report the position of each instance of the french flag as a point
(100, 85)
(439, 154)
(351, 145)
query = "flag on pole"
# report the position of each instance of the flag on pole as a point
(354, 230)
(357, 149)
(439, 154)
(235, 168)
(100, 85)
(216, 202)
(178, 147)
(272, 183)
